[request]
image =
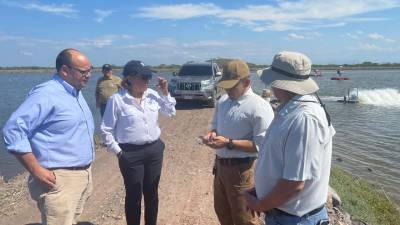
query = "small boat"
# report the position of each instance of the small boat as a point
(339, 73)
(315, 73)
(340, 78)
(352, 96)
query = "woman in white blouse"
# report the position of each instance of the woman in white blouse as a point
(130, 130)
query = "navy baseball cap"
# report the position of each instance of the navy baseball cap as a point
(106, 67)
(137, 68)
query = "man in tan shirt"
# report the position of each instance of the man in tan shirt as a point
(106, 86)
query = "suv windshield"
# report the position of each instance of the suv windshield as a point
(195, 70)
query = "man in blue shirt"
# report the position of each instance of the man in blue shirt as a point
(51, 134)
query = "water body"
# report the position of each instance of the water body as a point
(367, 142)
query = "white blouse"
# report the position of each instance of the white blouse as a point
(125, 121)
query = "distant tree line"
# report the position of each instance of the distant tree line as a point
(370, 65)
(223, 61)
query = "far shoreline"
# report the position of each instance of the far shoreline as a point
(164, 70)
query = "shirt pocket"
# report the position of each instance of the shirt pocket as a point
(64, 122)
(130, 116)
(235, 119)
(128, 111)
(153, 106)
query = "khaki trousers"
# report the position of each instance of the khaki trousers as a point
(63, 204)
(229, 204)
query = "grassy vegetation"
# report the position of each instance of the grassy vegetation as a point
(364, 201)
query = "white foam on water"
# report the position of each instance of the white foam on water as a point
(331, 98)
(380, 97)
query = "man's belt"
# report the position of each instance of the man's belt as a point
(71, 168)
(234, 161)
(279, 212)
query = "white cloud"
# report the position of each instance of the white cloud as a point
(125, 36)
(390, 40)
(372, 47)
(171, 44)
(135, 46)
(305, 36)
(285, 15)
(331, 25)
(166, 43)
(360, 35)
(379, 37)
(65, 10)
(166, 49)
(26, 53)
(376, 36)
(205, 44)
(161, 43)
(293, 36)
(276, 27)
(364, 19)
(352, 36)
(316, 34)
(27, 41)
(179, 11)
(102, 14)
(101, 42)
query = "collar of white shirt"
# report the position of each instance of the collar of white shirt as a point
(126, 95)
(294, 103)
(243, 98)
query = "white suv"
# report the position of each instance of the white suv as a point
(197, 81)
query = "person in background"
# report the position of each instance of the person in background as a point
(130, 130)
(266, 94)
(238, 128)
(106, 86)
(51, 134)
(292, 172)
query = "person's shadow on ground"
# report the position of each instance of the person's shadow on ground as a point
(80, 223)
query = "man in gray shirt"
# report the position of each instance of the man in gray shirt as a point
(292, 172)
(238, 128)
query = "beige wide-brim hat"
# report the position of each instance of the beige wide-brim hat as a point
(290, 71)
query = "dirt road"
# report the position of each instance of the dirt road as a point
(185, 189)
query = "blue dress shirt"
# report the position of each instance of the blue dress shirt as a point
(55, 124)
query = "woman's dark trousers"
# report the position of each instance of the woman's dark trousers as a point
(140, 166)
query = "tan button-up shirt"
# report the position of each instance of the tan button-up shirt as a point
(106, 87)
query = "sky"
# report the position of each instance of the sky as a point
(32, 32)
